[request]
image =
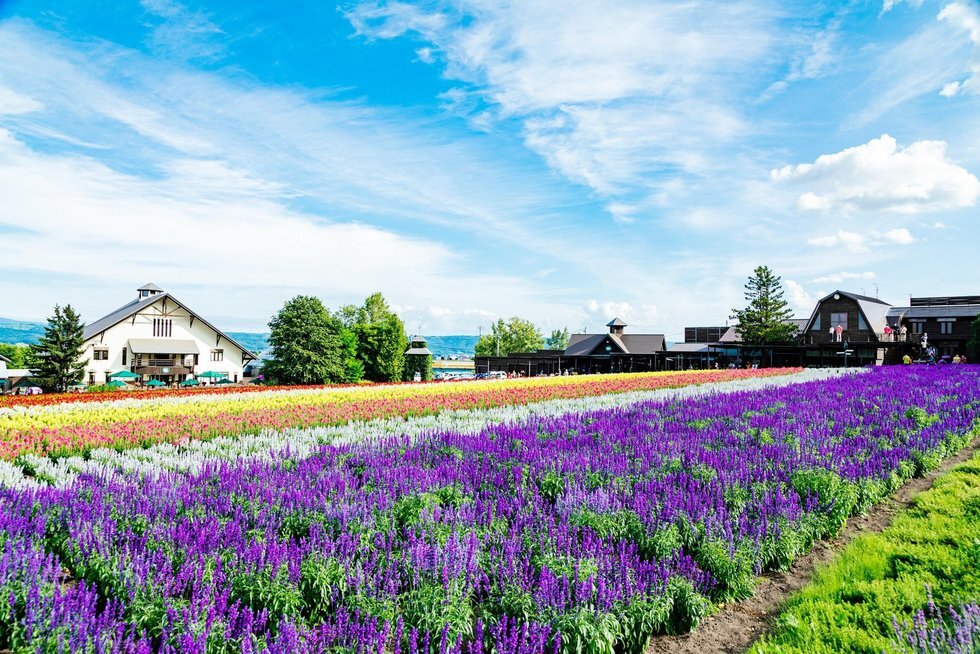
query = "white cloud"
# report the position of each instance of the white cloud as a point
(836, 278)
(900, 235)
(799, 299)
(597, 313)
(181, 33)
(12, 102)
(618, 96)
(888, 5)
(881, 176)
(964, 18)
(860, 243)
(855, 243)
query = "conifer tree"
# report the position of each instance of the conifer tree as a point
(60, 351)
(765, 320)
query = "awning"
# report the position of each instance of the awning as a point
(162, 346)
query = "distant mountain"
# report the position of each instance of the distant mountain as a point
(18, 332)
(444, 347)
(14, 331)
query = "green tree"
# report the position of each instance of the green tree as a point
(764, 320)
(59, 351)
(381, 339)
(558, 339)
(307, 344)
(21, 356)
(418, 363)
(515, 335)
(973, 345)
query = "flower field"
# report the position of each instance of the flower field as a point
(64, 429)
(583, 530)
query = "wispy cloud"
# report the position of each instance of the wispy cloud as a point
(621, 97)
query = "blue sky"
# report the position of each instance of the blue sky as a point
(473, 159)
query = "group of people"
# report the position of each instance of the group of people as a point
(898, 335)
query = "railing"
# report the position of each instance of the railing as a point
(814, 338)
(185, 363)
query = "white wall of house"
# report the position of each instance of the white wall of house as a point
(182, 327)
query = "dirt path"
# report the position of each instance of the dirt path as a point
(736, 626)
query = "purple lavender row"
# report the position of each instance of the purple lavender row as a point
(590, 530)
(931, 632)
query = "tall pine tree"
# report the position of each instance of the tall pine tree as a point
(60, 351)
(765, 320)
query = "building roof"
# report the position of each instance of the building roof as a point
(5, 359)
(150, 287)
(874, 310)
(731, 336)
(686, 348)
(424, 351)
(122, 313)
(897, 314)
(616, 322)
(582, 345)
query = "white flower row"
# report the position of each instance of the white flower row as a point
(299, 443)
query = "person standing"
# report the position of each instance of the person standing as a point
(904, 331)
(839, 331)
(888, 333)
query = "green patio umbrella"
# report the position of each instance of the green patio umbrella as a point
(155, 382)
(190, 382)
(212, 374)
(117, 383)
(224, 381)
(124, 374)
(78, 386)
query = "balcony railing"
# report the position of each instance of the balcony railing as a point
(158, 363)
(815, 338)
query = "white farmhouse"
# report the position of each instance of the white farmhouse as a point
(158, 337)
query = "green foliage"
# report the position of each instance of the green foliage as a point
(764, 320)
(837, 497)
(307, 344)
(418, 363)
(59, 351)
(380, 336)
(515, 335)
(849, 606)
(20, 356)
(973, 344)
(267, 590)
(559, 339)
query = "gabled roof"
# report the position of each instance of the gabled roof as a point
(616, 322)
(874, 310)
(582, 345)
(645, 343)
(134, 307)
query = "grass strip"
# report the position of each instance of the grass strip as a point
(850, 605)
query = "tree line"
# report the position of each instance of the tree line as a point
(312, 345)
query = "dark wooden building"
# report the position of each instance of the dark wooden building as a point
(614, 351)
(945, 321)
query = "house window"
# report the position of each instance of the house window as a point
(91, 379)
(101, 355)
(816, 324)
(945, 326)
(162, 327)
(838, 319)
(144, 294)
(125, 356)
(917, 326)
(217, 355)
(861, 324)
